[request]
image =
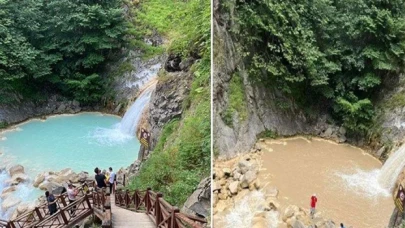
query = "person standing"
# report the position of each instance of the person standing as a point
(50, 198)
(314, 200)
(111, 180)
(342, 226)
(72, 193)
(100, 179)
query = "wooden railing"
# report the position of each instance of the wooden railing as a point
(102, 207)
(64, 217)
(159, 210)
(98, 203)
(4, 224)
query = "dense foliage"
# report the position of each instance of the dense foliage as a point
(332, 54)
(57, 46)
(182, 156)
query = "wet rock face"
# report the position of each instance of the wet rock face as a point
(18, 112)
(167, 101)
(199, 203)
(263, 111)
(172, 63)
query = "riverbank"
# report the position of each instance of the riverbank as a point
(287, 172)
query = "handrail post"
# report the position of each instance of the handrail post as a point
(62, 199)
(147, 200)
(127, 201)
(102, 199)
(158, 209)
(149, 206)
(173, 223)
(136, 200)
(62, 213)
(38, 213)
(88, 201)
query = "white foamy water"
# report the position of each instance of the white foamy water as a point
(365, 183)
(133, 115)
(23, 191)
(392, 168)
(378, 181)
(110, 136)
(245, 210)
(144, 76)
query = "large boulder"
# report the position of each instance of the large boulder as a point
(49, 186)
(233, 187)
(57, 179)
(248, 178)
(298, 224)
(65, 172)
(19, 178)
(247, 165)
(83, 176)
(23, 207)
(5, 195)
(15, 170)
(290, 211)
(9, 202)
(39, 179)
(73, 177)
(199, 203)
(9, 189)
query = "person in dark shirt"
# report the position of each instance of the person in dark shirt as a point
(100, 178)
(51, 202)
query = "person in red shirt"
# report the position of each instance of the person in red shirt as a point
(313, 204)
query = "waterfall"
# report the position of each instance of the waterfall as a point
(131, 118)
(379, 181)
(392, 168)
(125, 130)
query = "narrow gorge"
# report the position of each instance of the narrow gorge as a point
(278, 140)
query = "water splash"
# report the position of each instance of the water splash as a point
(109, 136)
(365, 183)
(125, 130)
(380, 181)
(23, 191)
(392, 168)
(131, 118)
(243, 213)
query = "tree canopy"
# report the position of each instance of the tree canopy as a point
(334, 53)
(57, 46)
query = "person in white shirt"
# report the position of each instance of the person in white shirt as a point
(72, 193)
(111, 180)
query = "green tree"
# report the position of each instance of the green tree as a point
(323, 52)
(58, 45)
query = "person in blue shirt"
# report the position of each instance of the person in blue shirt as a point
(50, 198)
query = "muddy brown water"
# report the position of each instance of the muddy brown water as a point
(299, 167)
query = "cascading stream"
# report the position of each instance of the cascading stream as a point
(392, 168)
(129, 122)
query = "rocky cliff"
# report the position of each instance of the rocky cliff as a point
(261, 103)
(267, 112)
(18, 112)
